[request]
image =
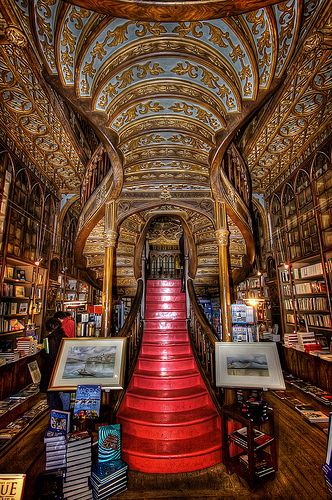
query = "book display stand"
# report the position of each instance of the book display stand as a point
(249, 447)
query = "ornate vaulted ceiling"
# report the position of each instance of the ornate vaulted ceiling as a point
(163, 92)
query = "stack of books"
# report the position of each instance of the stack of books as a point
(306, 341)
(56, 447)
(11, 356)
(26, 346)
(263, 465)
(108, 479)
(290, 339)
(76, 483)
(240, 437)
(327, 469)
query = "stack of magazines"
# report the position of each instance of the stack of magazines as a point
(76, 483)
(108, 479)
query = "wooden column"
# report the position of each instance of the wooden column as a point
(222, 236)
(110, 242)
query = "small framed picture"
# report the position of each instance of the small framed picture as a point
(23, 308)
(19, 291)
(20, 274)
(9, 272)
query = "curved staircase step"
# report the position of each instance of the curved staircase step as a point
(169, 425)
(164, 325)
(161, 348)
(167, 400)
(146, 378)
(171, 456)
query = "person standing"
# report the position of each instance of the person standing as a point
(67, 323)
(54, 338)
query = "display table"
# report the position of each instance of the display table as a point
(306, 366)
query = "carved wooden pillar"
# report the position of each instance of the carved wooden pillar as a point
(222, 236)
(110, 242)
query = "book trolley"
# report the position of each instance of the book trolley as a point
(249, 447)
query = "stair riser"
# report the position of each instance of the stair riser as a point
(166, 433)
(159, 283)
(165, 383)
(165, 315)
(157, 337)
(173, 465)
(165, 290)
(166, 366)
(157, 349)
(165, 326)
(166, 306)
(157, 298)
(166, 406)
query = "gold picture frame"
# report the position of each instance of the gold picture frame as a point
(97, 361)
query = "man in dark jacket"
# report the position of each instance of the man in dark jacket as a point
(56, 334)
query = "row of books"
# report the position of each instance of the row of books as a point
(11, 325)
(308, 271)
(12, 308)
(310, 287)
(321, 320)
(322, 396)
(312, 303)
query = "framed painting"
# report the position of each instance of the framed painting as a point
(89, 361)
(253, 365)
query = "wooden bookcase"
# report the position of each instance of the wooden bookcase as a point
(301, 217)
(22, 300)
(255, 288)
(252, 458)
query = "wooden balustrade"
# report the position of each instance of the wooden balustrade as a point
(98, 167)
(204, 338)
(132, 330)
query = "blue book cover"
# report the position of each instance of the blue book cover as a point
(109, 442)
(87, 401)
(60, 421)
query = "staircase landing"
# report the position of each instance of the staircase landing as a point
(169, 422)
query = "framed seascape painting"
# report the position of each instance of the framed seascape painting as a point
(89, 361)
(253, 365)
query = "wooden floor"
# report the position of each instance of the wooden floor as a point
(302, 450)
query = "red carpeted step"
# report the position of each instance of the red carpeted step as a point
(159, 425)
(165, 348)
(165, 315)
(172, 456)
(166, 306)
(164, 325)
(169, 423)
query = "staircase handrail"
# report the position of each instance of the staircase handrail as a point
(204, 339)
(132, 330)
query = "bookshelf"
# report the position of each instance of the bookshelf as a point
(249, 448)
(23, 290)
(306, 300)
(254, 291)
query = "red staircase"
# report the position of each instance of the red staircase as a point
(169, 422)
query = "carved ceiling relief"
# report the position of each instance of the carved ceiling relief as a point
(166, 88)
(299, 117)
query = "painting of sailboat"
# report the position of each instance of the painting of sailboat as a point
(90, 361)
(96, 361)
